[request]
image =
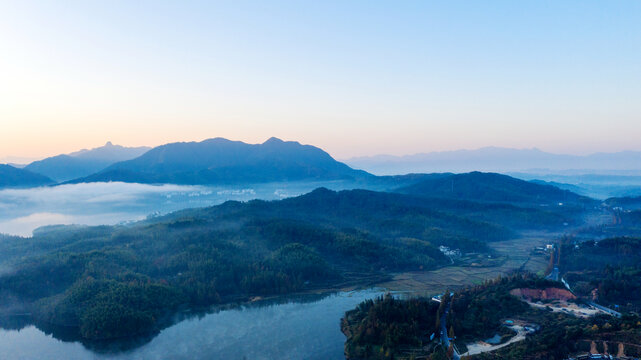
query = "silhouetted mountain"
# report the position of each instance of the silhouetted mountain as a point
(84, 162)
(112, 153)
(219, 160)
(65, 167)
(492, 187)
(14, 177)
(496, 159)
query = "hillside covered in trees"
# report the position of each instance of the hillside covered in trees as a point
(492, 187)
(115, 281)
(607, 271)
(389, 328)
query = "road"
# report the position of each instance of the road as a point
(476, 348)
(554, 275)
(593, 304)
(603, 308)
(444, 338)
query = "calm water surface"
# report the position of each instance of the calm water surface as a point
(298, 329)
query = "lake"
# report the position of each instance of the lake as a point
(289, 328)
(23, 210)
(296, 328)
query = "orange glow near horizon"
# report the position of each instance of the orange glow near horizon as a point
(436, 77)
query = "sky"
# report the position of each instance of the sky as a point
(352, 77)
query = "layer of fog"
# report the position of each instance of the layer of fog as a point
(23, 210)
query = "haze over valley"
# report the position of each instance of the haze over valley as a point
(422, 180)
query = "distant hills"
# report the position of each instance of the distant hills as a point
(222, 161)
(13, 177)
(219, 161)
(495, 159)
(491, 187)
(84, 162)
(110, 152)
(115, 281)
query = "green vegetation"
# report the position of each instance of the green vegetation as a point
(389, 328)
(385, 326)
(622, 223)
(562, 335)
(93, 278)
(606, 271)
(478, 312)
(492, 187)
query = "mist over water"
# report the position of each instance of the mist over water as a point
(24, 210)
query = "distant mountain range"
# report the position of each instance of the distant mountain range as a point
(494, 159)
(222, 161)
(13, 177)
(492, 187)
(84, 162)
(111, 152)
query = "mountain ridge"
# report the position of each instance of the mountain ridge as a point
(84, 162)
(12, 177)
(496, 159)
(493, 187)
(219, 160)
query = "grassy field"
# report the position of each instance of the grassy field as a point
(468, 270)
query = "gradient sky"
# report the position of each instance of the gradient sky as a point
(353, 77)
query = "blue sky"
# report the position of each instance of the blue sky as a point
(353, 77)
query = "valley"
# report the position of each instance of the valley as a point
(199, 249)
(320, 180)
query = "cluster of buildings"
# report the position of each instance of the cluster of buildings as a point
(449, 252)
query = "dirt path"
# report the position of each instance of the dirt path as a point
(477, 347)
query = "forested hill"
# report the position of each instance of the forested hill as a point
(388, 328)
(112, 281)
(492, 187)
(606, 271)
(222, 161)
(14, 177)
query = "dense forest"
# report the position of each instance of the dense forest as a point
(93, 278)
(561, 335)
(386, 326)
(389, 328)
(492, 187)
(622, 222)
(607, 271)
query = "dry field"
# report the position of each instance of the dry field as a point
(511, 255)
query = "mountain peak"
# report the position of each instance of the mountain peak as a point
(273, 140)
(218, 161)
(109, 144)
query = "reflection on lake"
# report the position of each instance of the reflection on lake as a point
(303, 328)
(23, 210)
